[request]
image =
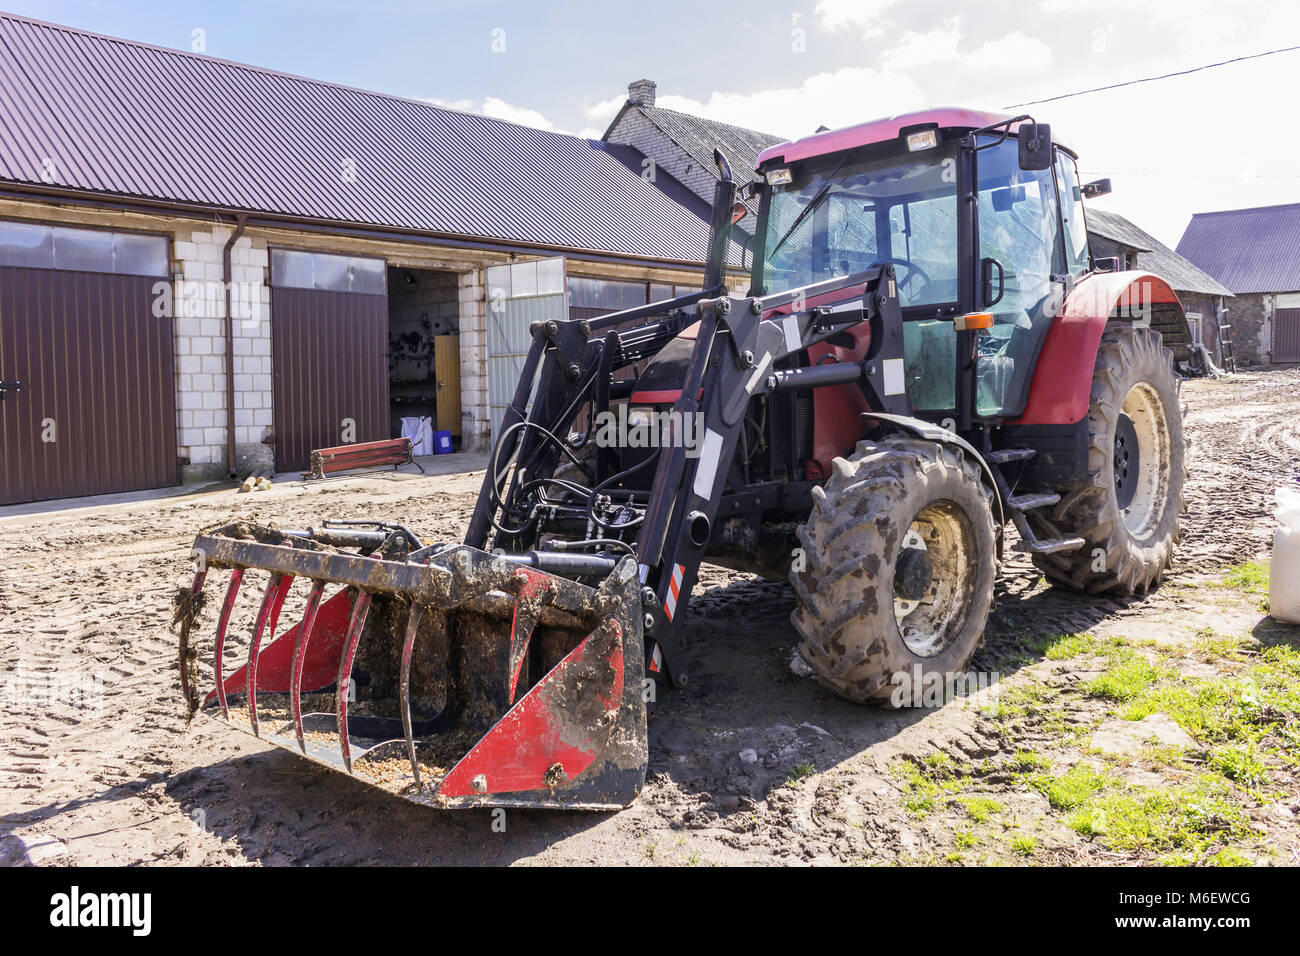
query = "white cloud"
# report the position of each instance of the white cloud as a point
(599, 115)
(915, 49)
(836, 99)
(1015, 51)
(864, 15)
(498, 108)
(941, 46)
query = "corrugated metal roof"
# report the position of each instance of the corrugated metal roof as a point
(133, 120)
(1153, 255)
(1248, 250)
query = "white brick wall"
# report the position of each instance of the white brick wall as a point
(199, 302)
(475, 417)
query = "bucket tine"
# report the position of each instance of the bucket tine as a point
(299, 653)
(273, 598)
(232, 590)
(187, 622)
(412, 627)
(359, 611)
(533, 588)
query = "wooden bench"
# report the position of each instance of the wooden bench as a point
(370, 454)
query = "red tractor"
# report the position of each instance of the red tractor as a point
(927, 352)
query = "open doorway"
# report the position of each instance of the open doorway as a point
(423, 354)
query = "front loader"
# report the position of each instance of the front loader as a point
(927, 354)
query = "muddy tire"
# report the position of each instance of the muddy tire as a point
(898, 563)
(1128, 509)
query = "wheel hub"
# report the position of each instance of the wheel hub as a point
(912, 573)
(1127, 461)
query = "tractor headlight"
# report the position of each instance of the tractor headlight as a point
(779, 177)
(925, 139)
(640, 416)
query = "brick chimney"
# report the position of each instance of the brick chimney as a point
(641, 92)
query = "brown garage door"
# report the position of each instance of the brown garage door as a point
(96, 409)
(329, 336)
(1286, 335)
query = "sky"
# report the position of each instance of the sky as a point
(1217, 139)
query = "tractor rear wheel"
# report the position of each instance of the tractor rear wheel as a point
(1127, 509)
(897, 570)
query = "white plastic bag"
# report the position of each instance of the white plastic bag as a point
(420, 431)
(1284, 578)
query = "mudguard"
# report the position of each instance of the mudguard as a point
(1062, 384)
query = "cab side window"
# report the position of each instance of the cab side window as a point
(1076, 229)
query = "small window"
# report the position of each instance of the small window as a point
(293, 269)
(35, 246)
(520, 279)
(612, 295)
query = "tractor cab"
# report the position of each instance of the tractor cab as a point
(985, 233)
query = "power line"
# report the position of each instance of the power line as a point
(1149, 79)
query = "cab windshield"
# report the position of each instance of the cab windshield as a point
(842, 218)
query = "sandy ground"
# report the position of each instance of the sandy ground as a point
(750, 764)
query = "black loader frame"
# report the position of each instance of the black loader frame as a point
(737, 357)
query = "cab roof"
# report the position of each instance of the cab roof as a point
(879, 131)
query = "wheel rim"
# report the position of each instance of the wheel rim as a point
(1127, 458)
(1142, 460)
(930, 620)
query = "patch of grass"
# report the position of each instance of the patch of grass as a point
(1248, 708)
(1075, 787)
(1023, 844)
(1240, 763)
(939, 765)
(1228, 857)
(927, 780)
(1027, 761)
(1192, 818)
(1248, 576)
(1023, 700)
(980, 808)
(965, 839)
(1252, 578)
(1060, 647)
(1215, 646)
(799, 771)
(1125, 681)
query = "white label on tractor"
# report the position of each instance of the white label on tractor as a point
(710, 453)
(791, 326)
(756, 376)
(894, 382)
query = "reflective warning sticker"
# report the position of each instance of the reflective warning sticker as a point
(790, 325)
(710, 453)
(674, 589)
(894, 381)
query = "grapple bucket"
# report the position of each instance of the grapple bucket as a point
(448, 676)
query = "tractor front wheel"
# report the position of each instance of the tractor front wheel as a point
(896, 575)
(1127, 510)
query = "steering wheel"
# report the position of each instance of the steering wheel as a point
(913, 270)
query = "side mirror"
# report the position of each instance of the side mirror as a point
(1100, 187)
(1035, 145)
